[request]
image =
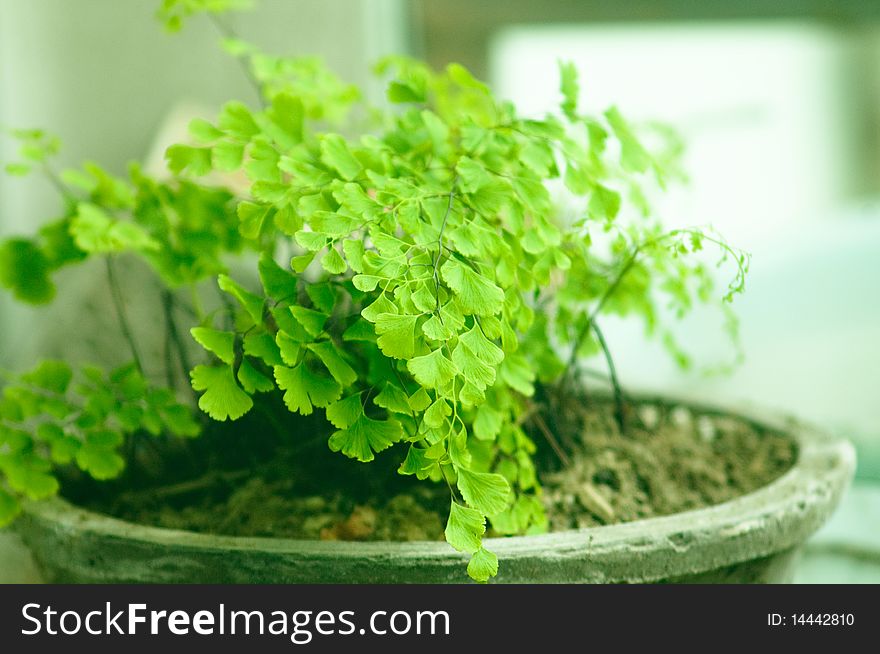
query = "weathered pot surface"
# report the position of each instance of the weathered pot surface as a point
(751, 539)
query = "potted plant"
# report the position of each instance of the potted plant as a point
(406, 290)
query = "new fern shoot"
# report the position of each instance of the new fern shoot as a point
(414, 278)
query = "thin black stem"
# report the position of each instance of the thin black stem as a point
(448, 484)
(588, 325)
(229, 34)
(119, 305)
(229, 308)
(440, 246)
(539, 422)
(740, 257)
(170, 380)
(173, 335)
(55, 181)
(619, 409)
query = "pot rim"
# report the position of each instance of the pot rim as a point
(771, 519)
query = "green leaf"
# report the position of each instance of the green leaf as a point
(568, 86)
(288, 347)
(465, 528)
(516, 372)
(396, 335)
(252, 380)
(17, 170)
(366, 283)
(483, 566)
(275, 193)
(227, 157)
(53, 376)
(344, 413)
(311, 240)
(312, 321)
(221, 344)
(477, 374)
(262, 165)
(432, 370)
(458, 450)
(285, 322)
(95, 231)
(604, 202)
(31, 476)
(180, 421)
(472, 175)
(381, 305)
(437, 329)
(335, 154)
(471, 395)
(188, 159)
(490, 199)
(487, 424)
(435, 415)
(355, 200)
(481, 347)
(476, 294)
(533, 194)
(99, 461)
(203, 131)
(487, 492)
(175, 13)
(416, 463)
(437, 129)
(538, 156)
(252, 304)
(236, 120)
(301, 262)
(277, 283)
(334, 224)
(286, 115)
(476, 358)
(366, 436)
(360, 330)
(333, 262)
(25, 270)
(354, 254)
(393, 399)
(9, 508)
(251, 218)
(333, 361)
(420, 400)
(633, 156)
(323, 296)
(398, 92)
(222, 398)
(462, 76)
(63, 447)
(261, 345)
(424, 298)
(58, 245)
(305, 389)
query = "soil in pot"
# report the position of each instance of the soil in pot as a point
(668, 460)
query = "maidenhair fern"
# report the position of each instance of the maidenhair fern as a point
(415, 278)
